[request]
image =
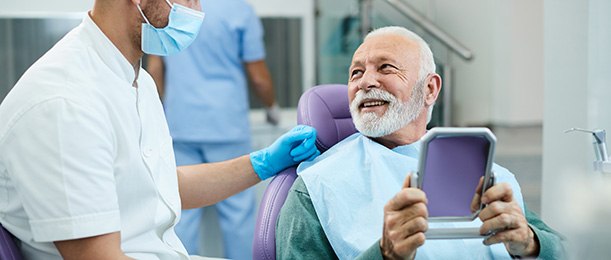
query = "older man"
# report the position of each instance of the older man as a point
(349, 203)
(86, 163)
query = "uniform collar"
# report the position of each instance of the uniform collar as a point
(108, 52)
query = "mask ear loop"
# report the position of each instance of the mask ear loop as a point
(143, 16)
(169, 3)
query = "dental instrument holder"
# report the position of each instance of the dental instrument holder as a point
(602, 163)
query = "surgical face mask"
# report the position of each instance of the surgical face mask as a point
(183, 25)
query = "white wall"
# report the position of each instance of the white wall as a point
(504, 83)
(517, 66)
(576, 199)
(472, 90)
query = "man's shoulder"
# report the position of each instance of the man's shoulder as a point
(66, 74)
(48, 79)
(70, 68)
(69, 62)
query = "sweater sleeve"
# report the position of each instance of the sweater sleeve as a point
(374, 252)
(550, 241)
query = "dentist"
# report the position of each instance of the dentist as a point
(86, 163)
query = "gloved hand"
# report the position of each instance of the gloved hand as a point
(272, 114)
(291, 148)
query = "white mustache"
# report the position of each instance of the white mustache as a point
(371, 94)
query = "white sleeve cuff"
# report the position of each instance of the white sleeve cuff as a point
(75, 227)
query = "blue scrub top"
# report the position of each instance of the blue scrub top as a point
(206, 95)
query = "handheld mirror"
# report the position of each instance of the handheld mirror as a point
(452, 161)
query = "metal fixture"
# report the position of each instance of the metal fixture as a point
(602, 162)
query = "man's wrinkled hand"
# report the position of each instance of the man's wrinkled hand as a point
(504, 220)
(405, 221)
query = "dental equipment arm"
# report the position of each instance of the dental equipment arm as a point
(600, 139)
(602, 162)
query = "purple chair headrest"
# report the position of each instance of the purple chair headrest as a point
(326, 108)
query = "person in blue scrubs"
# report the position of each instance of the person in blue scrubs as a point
(205, 97)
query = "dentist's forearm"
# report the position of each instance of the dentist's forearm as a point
(106, 246)
(206, 184)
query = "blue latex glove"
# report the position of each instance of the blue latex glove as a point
(291, 148)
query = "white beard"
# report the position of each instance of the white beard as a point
(398, 115)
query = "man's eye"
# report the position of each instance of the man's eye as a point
(387, 66)
(355, 73)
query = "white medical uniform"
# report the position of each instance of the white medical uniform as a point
(83, 153)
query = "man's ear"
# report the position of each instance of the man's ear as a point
(432, 89)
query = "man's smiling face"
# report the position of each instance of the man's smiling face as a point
(384, 89)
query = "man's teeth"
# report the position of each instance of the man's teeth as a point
(373, 103)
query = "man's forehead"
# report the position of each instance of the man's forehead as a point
(374, 56)
(386, 48)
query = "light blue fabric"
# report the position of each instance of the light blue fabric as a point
(350, 184)
(206, 95)
(206, 102)
(236, 213)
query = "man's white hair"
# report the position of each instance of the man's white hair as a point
(427, 63)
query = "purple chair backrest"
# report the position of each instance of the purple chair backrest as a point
(325, 108)
(8, 249)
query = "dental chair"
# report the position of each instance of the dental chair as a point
(8, 249)
(326, 108)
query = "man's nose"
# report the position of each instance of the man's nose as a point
(369, 81)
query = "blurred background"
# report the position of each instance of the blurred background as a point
(528, 69)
